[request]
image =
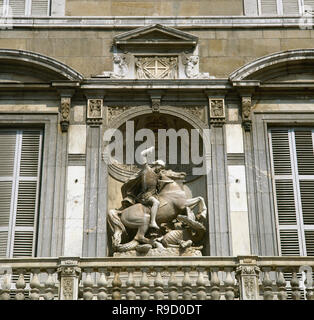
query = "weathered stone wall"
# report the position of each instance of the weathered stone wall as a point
(153, 7)
(221, 50)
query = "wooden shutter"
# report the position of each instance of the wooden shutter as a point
(308, 4)
(290, 7)
(20, 156)
(293, 175)
(18, 7)
(268, 7)
(7, 164)
(284, 188)
(40, 7)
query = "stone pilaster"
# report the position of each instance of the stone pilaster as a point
(69, 275)
(247, 274)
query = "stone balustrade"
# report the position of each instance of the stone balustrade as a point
(157, 278)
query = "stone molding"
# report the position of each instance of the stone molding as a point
(273, 60)
(200, 22)
(39, 61)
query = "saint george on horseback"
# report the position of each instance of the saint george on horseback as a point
(153, 197)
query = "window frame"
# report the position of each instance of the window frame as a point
(263, 220)
(16, 179)
(28, 7)
(296, 178)
(50, 226)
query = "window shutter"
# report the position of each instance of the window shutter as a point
(281, 152)
(7, 160)
(20, 156)
(293, 174)
(26, 207)
(268, 7)
(39, 7)
(290, 7)
(284, 190)
(308, 4)
(18, 7)
(305, 154)
(289, 242)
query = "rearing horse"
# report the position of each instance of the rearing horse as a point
(175, 199)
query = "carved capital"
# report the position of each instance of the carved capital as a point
(65, 106)
(94, 111)
(217, 111)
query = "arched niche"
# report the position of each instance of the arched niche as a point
(168, 117)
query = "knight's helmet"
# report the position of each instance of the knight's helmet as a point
(159, 163)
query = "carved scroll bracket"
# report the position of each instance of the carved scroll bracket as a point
(246, 90)
(246, 104)
(65, 108)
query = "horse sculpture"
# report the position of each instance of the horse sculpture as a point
(175, 200)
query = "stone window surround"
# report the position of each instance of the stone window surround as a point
(263, 233)
(50, 228)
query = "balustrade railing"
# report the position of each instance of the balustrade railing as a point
(157, 278)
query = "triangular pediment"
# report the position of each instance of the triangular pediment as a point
(156, 35)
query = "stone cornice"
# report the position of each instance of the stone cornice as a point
(209, 87)
(182, 22)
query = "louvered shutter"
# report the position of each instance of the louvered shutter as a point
(290, 7)
(284, 192)
(304, 146)
(308, 5)
(293, 175)
(268, 7)
(40, 7)
(19, 188)
(18, 7)
(7, 160)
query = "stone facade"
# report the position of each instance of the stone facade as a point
(77, 76)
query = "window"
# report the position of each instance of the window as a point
(293, 180)
(27, 7)
(277, 7)
(20, 159)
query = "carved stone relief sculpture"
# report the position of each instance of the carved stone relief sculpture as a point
(217, 111)
(191, 70)
(172, 229)
(94, 111)
(157, 67)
